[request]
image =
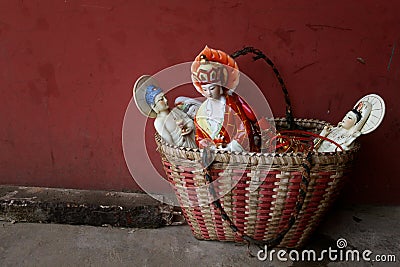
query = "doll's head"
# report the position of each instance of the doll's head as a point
(350, 119)
(356, 118)
(156, 99)
(214, 67)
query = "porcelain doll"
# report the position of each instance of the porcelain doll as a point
(188, 105)
(365, 117)
(174, 126)
(224, 118)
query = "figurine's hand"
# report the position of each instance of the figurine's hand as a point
(186, 131)
(185, 128)
(327, 130)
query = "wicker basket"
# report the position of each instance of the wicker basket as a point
(283, 210)
(262, 213)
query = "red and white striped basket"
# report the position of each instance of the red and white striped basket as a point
(262, 213)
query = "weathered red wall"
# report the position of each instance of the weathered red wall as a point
(67, 67)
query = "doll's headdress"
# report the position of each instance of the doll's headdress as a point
(216, 67)
(357, 111)
(151, 92)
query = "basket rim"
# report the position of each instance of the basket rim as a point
(354, 149)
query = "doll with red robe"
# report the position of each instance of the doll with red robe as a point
(224, 119)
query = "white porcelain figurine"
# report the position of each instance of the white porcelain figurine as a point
(224, 119)
(174, 126)
(365, 117)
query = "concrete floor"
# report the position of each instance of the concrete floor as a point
(28, 244)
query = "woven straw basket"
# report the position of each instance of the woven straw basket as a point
(265, 212)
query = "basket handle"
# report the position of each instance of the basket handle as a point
(260, 55)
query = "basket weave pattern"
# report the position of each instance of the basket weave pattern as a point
(263, 212)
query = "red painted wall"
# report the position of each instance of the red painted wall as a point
(67, 67)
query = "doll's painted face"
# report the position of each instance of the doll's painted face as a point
(349, 120)
(160, 103)
(212, 90)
